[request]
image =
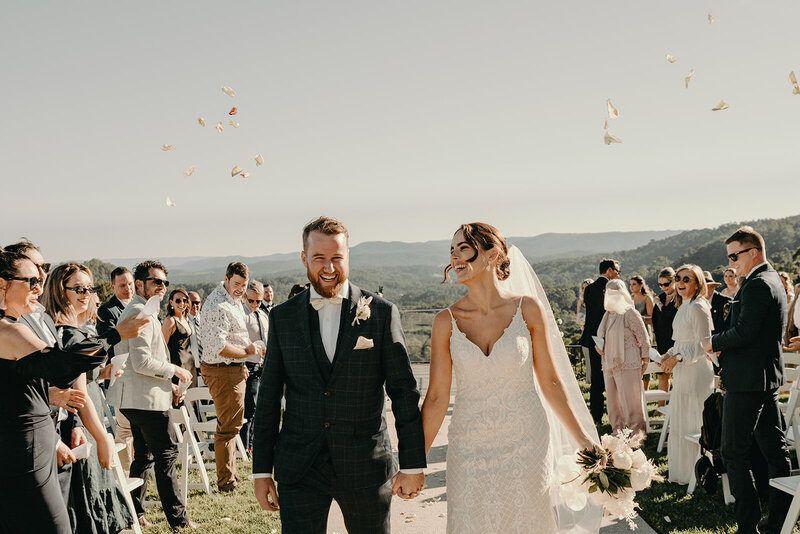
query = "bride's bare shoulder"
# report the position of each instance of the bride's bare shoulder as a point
(532, 311)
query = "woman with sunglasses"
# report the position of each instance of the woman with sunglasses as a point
(30, 496)
(731, 283)
(663, 315)
(178, 333)
(96, 504)
(693, 375)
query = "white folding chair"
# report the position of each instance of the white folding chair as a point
(654, 395)
(189, 456)
(126, 485)
(789, 485)
(791, 358)
(200, 402)
(726, 487)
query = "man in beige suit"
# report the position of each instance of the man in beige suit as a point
(145, 393)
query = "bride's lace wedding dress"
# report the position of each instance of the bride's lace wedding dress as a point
(499, 458)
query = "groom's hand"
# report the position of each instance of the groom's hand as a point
(266, 494)
(407, 486)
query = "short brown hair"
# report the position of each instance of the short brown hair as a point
(142, 271)
(119, 271)
(235, 268)
(325, 225)
(746, 235)
(485, 237)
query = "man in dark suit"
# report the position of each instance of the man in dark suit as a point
(124, 290)
(720, 304)
(334, 348)
(752, 370)
(267, 302)
(593, 298)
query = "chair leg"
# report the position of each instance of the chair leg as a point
(240, 447)
(791, 515)
(726, 489)
(198, 457)
(692, 476)
(664, 430)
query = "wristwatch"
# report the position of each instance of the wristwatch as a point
(679, 357)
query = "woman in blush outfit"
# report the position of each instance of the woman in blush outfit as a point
(626, 353)
(692, 373)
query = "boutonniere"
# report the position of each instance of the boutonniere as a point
(362, 310)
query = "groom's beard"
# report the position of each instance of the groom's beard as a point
(330, 291)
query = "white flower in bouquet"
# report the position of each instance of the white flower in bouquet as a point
(622, 459)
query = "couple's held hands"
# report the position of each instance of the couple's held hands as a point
(69, 399)
(266, 494)
(407, 486)
(668, 363)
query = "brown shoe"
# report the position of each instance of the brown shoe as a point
(228, 489)
(189, 524)
(143, 522)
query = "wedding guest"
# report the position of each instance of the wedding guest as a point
(195, 303)
(267, 304)
(752, 371)
(257, 322)
(642, 298)
(793, 319)
(145, 394)
(296, 290)
(720, 304)
(663, 314)
(731, 283)
(177, 333)
(95, 502)
(693, 375)
(625, 355)
(581, 321)
(222, 330)
(786, 279)
(30, 496)
(109, 312)
(594, 296)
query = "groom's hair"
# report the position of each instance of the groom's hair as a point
(747, 236)
(325, 225)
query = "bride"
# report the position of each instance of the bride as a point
(507, 430)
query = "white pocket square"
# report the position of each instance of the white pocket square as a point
(363, 343)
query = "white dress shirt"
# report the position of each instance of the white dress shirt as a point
(756, 267)
(330, 316)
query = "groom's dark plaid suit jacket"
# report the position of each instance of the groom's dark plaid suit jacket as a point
(340, 404)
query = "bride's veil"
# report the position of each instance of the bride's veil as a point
(523, 281)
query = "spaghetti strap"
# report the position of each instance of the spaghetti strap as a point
(519, 306)
(452, 317)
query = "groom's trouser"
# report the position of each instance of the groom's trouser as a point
(597, 388)
(304, 505)
(227, 385)
(748, 415)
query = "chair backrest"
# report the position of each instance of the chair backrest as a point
(791, 358)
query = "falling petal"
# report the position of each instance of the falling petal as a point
(720, 106)
(612, 111)
(228, 91)
(236, 170)
(259, 160)
(671, 59)
(244, 174)
(202, 121)
(689, 78)
(170, 203)
(189, 171)
(219, 126)
(710, 19)
(605, 125)
(234, 124)
(233, 111)
(793, 81)
(167, 147)
(609, 138)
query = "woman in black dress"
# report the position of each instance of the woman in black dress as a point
(30, 496)
(178, 333)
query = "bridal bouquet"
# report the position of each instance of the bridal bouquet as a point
(610, 476)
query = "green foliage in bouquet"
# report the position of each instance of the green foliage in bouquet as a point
(602, 475)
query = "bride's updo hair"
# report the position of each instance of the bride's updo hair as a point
(482, 236)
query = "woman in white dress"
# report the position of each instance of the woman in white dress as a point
(507, 429)
(693, 375)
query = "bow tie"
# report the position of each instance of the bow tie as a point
(319, 303)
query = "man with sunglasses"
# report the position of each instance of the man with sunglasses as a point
(226, 345)
(751, 364)
(145, 394)
(257, 322)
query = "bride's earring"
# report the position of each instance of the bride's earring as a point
(488, 267)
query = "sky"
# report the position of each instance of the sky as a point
(402, 119)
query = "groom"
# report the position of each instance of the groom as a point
(333, 348)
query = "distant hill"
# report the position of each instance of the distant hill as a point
(395, 254)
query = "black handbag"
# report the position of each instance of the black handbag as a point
(707, 477)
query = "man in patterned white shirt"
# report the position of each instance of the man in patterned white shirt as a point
(222, 331)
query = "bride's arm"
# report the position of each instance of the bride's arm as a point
(437, 398)
(549, 381)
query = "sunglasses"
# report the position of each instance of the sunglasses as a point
(195, 302)
(181, 301)
(686, 279)
(45, 267)
(158, 281)
(665, 285)
(253, 301)
(81, 290)
(734, 256)
(33, 281)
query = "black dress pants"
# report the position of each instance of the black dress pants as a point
(155, 444)
(304, 506)
(250, 397)
(598, 387)
(748, 416)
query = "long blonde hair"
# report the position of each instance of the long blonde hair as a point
(55, 299)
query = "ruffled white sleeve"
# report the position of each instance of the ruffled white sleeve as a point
(700, 315)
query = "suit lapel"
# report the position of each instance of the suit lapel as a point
(308, 323)
(346, 339)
